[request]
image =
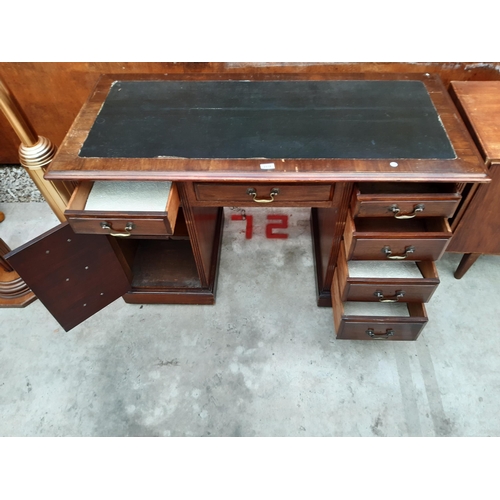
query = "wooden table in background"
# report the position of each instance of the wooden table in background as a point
(478, 223)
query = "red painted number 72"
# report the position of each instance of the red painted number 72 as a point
(281, 223)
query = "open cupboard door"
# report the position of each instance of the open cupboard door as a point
(73, 275)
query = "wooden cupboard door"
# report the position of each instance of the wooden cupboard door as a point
(73, 275)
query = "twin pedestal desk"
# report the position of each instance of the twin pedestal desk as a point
(381, 160)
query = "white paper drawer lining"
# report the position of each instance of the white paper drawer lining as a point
(129, 196)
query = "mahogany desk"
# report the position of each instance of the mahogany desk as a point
(381, 160)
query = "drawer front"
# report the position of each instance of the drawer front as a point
(385, 248)
(371, 329)
(404, 200)
(263, 194)
(387, 282)
(360, 327)
(387, 292)
(388, 239)
(121, 227)
(404, 208)
(121, 223)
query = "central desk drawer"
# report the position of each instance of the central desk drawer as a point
(249, 194)
(124, 209)
(392, 239)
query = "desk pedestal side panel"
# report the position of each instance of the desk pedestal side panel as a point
(327, 228)
(479, 229)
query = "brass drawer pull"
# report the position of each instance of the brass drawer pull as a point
(393, 298)
(128, 229)
(252, 192)
(379, 336)
(398, 215)
(388, 253)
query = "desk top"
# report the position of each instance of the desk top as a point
(269, 127)
(290, 119)
(480, 107)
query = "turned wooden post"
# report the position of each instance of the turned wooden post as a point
(13, 290)
(35, 154)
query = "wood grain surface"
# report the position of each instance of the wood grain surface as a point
(467, 166)
(51, 94)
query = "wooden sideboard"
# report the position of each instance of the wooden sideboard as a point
(478, 223)
(381, 160)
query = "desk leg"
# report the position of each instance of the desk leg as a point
(466, 263)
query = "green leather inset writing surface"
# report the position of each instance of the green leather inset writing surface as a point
(268, 119)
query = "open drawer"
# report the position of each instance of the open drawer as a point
(380, 238)
(124, 209)
(374, 321)
(380, 281)
(404, 200)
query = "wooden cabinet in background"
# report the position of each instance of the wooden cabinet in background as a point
(477, 227)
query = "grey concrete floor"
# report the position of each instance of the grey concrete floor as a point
(263, 361)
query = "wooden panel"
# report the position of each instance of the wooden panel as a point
(374, 248)
(204, 226)
(13, 290)
(73, 275)
(51, 94)
(479, 229)
(477, 226)
(140, 227)
(379, 248)
(143, 223)
(406, 207)
(370, 200)
(466, 167)
(479, 104)
(164, 264)
(327, 227)
(237, 194)
(365, 288)
(382, 327)
(366, 238)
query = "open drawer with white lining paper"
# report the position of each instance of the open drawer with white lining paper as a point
(124, 209)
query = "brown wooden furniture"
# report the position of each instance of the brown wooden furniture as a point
(52, 93)
(478, 223)
(390, 224)
(13, 290)
(381, 160)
